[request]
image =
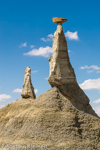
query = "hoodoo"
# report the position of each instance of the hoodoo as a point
(28, 89)
(61, 72)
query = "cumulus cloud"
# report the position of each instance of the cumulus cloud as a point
(49, 38)
(4, 97)
(42, 51)
(96, 101)
(50, 35)
(20, 90)
(68, 34)
(85, 67)
(90, 71)
(72, 35)
(31, 46)
(23, 44)
(97, 110)
(91, 84)
(91, 68)
(35, 71)
(17, 90)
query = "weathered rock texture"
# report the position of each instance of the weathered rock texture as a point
(52, 119)
(28, 89)
(61, 72)
(59, 20)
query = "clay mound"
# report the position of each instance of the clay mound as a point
(52, 119)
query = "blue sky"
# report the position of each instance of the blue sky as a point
(26, 30)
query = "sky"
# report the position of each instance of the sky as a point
(26, 31)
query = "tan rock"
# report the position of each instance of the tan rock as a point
(59, 20)
(28, 89)
(61, 72)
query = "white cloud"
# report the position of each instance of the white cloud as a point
(90, 71)
(31, 46)
(72, 35)
(45, 40)
(85, 67)
(36, 91)
(97, 110)
(49, 38)
(68, 34)
(93, 67)
(2, 106)
(17, 90)
(35, 71)
(23, 44)
(3, 97)
(91, 84)
(42, 51)
(96, 101)
(20, 90)
(50, 35)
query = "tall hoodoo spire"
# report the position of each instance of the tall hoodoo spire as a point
(59, 63)
(28, 89)
(61, 72)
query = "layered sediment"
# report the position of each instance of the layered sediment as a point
(51, 121)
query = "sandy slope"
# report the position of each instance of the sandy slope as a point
(52, 120)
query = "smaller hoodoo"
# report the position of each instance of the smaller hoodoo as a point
(28, 89)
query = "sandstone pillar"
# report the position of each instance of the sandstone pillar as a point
(28, 89)
(61, 72)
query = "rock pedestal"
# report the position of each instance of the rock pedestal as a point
(28, 89)
(61, 72)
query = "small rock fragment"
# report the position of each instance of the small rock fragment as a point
(59, 20)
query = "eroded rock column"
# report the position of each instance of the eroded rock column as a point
(28, 89)
(61, 72)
